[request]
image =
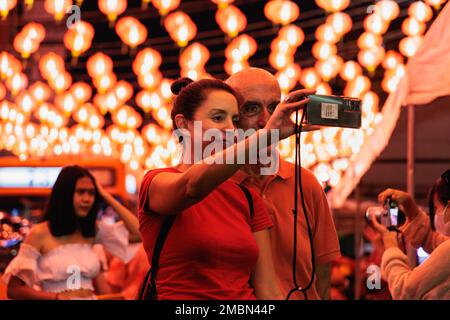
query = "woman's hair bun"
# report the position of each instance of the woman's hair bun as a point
(179, 84)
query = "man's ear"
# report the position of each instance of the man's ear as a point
(181, 122)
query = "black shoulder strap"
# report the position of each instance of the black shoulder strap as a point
(148, 290)
(249, 197)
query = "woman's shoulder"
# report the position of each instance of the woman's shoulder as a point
(39, 232)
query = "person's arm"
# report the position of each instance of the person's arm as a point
(174, 192)
(130, 220)
(17, 289)
(323, 281)
(263, 278)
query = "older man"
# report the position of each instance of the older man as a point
(261, 94)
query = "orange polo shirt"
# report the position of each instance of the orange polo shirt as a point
(277, 192)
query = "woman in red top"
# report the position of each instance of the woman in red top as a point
(215, 248)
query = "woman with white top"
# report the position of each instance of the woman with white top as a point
(431, 279)
(58, 260)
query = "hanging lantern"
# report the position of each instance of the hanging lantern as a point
(231, 67)
(231, 20)
(323, 50)
(112, 8)
(326, 33)
(123, 91)
(309, 78)
(421, 11)
(6, 6)
(57, 8)
(165, 6)
(78, 39)
(392, 59)
(408, 46)
(357, 87)
(368, 40)
(413, 27)
(323, 88)
(17, 83)
(150, 81)
(388, 9)
(376, 24)
(99, 64)
(333, 6)
(194, 57)
(34, 31)
(371, 58)
(281, 11)
(293, 34)
(50, 65)
(329, 68)
(144, 100)
(81, 92)
(194, 74)
(131, 31)
(340, 21)
(180, 28)
(350, 70)
(40, 91)
(24, 45)
(146, 61)
(222, 3)
(282, 46)
(435, 3)
(105, 82)
(2, 91)
(66, 102)
(25, 102)
(241, 48)
(61, 82)
(280, 61)
(126, 117)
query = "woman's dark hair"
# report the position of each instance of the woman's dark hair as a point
(440, 189)
(60, 212)
(191, 94)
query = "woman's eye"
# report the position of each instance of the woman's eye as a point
(217, 118)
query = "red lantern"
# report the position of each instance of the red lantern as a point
(131, 31)
(340, 21)
(241, 48)
(292, 34)
(50, 65)
(333, 6)
(81, 91)
(40, 91)
(57, 8)
(99, 64)
(180, 28)
(6, 6)
(281, 11)
(146, 61)
(112, 8)
(231, 20)
(165, 6)
(193, 57)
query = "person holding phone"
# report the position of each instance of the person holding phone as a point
(430, 280)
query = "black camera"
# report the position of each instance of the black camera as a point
(333, 111)
(389, 215)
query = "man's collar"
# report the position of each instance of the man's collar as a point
(285, 171)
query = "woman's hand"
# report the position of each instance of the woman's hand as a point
(281, 117)
(403, 198)
(389, 237)
(75, 294)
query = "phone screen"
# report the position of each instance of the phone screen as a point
(393, 214)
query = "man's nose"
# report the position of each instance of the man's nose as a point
(263, 118)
